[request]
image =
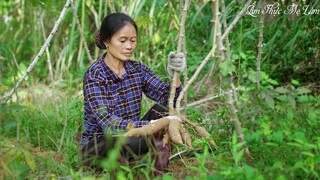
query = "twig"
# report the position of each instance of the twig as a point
(236, 19)
(112, 8)
(184, 163)
(260, 44)
(204, 100)
(35, 60)
(63, 132)
(49, 66)
(175, 74)
(178, 154)
(81, 32)
(182, 152)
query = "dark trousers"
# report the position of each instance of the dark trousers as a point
(98, 148)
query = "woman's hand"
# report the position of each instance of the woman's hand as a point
(176, 62)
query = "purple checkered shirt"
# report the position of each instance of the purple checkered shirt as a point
(111, 102)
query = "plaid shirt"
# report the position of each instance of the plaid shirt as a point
(112, 103)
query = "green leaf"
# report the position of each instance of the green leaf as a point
(295, 82)
(167, 177)
(243, 55)
(307, 153)
(266, 128)
(273, 82)
(121, 176)
(278, 165)
(300, 136)
(271, 144)
(302, 90)
(251, 173)
(270, 101)
(226, 67)
(281, 90)
(298, 165)
(22, 68)
(281, 177)
(290, 114)
(29, 160)
(9, 126)
(277, 136)
(143, 21)
(292, 101)
(125, 168)
(282, 98)
(294, 144)
(16, 107)
(156, 38)
(252, 76)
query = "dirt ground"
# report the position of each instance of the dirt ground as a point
(180, 168)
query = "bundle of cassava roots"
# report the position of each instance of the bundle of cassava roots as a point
(174, 130)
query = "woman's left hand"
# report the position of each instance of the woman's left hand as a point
(176, 62)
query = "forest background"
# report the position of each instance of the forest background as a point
(273, 62)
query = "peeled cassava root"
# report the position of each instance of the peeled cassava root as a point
(174, 131)
(148, 129)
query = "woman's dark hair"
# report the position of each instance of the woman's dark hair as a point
(110, 25)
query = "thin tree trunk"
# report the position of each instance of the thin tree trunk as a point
(175, 74)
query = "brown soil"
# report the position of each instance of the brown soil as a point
(180, 168)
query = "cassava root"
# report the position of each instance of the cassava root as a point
(174, 131)
(148, 129)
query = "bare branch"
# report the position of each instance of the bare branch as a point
(81, 32)
(260, 44)
(236, 19)
(204, 100)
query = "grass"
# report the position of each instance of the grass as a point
(284, 142)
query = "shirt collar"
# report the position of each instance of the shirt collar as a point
(129, 68)
(112, 76)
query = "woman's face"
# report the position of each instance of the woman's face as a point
(122, 44)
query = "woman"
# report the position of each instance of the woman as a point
(113, 87)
